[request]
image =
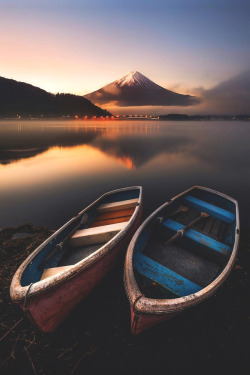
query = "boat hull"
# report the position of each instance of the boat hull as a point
(48, 301)
(48, 309)
(141, 322)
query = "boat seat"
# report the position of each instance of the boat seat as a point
(91, 236)
(121, 205)
(112, 217)
(53, 271)
(217, 212)
(216, 247)
(162, 275)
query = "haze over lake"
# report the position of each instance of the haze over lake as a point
(50, 170)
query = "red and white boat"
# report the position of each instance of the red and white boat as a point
(69, 264)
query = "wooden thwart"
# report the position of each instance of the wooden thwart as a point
(216, 247)
(114, 214)
(131, 203)
(99, 223)
(181, 232)
(91, 236)
(212, 210)
(112, 217)
(162, 275)
(53, 271)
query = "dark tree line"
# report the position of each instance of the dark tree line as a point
(22, 99)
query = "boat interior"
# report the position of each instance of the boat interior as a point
(83, 236)
(194, 259)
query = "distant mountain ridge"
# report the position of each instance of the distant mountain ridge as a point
(22, 99)
(135, 89)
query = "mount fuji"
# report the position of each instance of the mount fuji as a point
(135, 89)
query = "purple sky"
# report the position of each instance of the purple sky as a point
(79, 46)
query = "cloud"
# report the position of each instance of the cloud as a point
(228, 97)
(112, 89)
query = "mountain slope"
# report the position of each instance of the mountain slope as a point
(135, 89)
(19, 98)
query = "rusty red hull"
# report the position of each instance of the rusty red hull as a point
(48, 300)
(48, 310)
(141, 322)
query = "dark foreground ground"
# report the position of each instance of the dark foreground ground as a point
(95, 339)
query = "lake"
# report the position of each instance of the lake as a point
(50, 170)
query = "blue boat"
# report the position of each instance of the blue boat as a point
(180, 255)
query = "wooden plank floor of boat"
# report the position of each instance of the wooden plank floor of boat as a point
(112, 217)
(209, 226)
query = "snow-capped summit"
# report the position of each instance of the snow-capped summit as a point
(135, 79)
(134, 89)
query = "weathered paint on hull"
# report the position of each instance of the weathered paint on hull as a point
(48, 309)
(141, 322)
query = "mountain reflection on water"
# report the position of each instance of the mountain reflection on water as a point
(49, 170)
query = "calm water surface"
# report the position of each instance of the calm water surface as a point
(50, 170)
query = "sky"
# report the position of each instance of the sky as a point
(79, 46)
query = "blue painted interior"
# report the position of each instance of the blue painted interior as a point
(217, 212)
(200, 238)
(213, 198)
(212, 203)
(32, 274)
(167, 278)
(230, 235)
(143, 239)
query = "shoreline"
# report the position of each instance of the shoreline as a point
(170, 117)
(96, 336)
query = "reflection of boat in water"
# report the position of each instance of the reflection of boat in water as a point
(163, 277)
(68, 265)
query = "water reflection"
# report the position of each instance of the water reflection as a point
(130, 143)
(50, 170)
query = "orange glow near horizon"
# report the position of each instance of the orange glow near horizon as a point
(39, 59)
(79, 47)
(57, 162)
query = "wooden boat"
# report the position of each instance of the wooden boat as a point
(163, 277)
(68, 265)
